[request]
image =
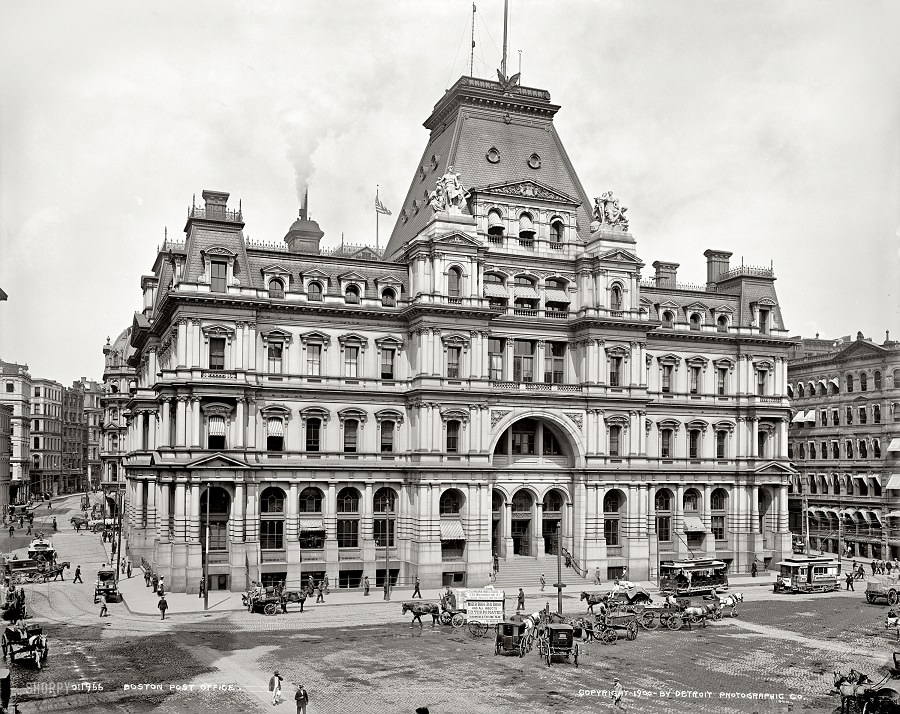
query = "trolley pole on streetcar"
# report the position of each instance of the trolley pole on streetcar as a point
(206, 551)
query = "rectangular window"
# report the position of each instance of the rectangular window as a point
(665, 448)
(271, 535)
(695, 380)
(718, 527)
(554, 362)
(764, 322)
(453, 437)
(351, 362)
(862, 415)
(218, 272)
(615, 371)
(217, 353)
(314, 360)
(824, 417)
(523, 361)
(453, 354)
(835, 417)
(761, 379)
(667, 377)
(351, 434)
(611, 531)
(849, 415)
(694, 445)
(348, 533)
(664, 528)
(495, 358)
(276, 350)
(523, 442)
(383, 532)
(313, 434)
(387, 437)
(614, 434)
(387, 363)
(721, 436)
(218, 535)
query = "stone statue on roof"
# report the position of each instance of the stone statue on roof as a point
(452, 189)
(437, 200)
(608, 212)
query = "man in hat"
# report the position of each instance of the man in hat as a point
(275, 687)
(301, 696)
(543, 582)
(618, 694)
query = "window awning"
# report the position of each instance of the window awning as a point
(523, 291)
(870, 514)
(894, 482)
(217, 426)
(894, 445)
(894, 514)
(835, 383)
(692, 524)
(810, 416)
(276, 427)
(798, 417)
(556, 295)
(312, 524)
(495, 290)
(451, 529)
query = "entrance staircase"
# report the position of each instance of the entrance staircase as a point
(521, 571)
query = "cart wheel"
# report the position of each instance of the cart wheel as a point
(649, 621)
(446, 618)
(717, 614)
(870, 599)
(270, 608)
(478, 629)
(458, 620)
(675, 622)
(607, 636)
(734, 612)
(632, 631)
(892, 597)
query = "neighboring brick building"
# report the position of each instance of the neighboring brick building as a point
(6, 414)
(845, 444)
(93, 421)
(15, 391)
(46, 437)
(74, 439)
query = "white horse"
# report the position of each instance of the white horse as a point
(731, 600)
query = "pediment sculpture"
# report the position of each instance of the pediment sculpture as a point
(608, 212)
(449, 194)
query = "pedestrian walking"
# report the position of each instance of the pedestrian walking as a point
(496, 564)
(753, 570)
(202, 587)
(366, 585)
(520, 600)
(114, 548)
(147, 578)
(12, 530)
(849, 580)
(416, 590)
(860, 573)
(874, 566)
(29, 529)
(320, 589)
(77, 578)
(618, 695)
(275, 687)
(162, 584)
(50, 505)
(128, 569)
(301, 697)
(55, 528)
(888, 566)
(163, 606)
(543, 582)
(103, 609)
(597, 576)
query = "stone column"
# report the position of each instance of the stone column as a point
(181, 343)
(506, 531)
(163, 491)
(240, 423)
(181, 422)
(194, 529)
(707, 515)
(292, 523)
(783, 509)
(180, 518)
(165, 428)
(251, 425)
(151, 508)
(754, 438)
(537, 531)
(138, 507)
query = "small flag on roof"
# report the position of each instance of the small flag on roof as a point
(380, 207)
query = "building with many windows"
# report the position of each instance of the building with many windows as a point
(118, 380)
(6, 414)
(46, 437)
(501, 373)
(845, 444)
(15, 392)
(93, 420)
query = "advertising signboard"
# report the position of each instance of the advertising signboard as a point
(484, 605)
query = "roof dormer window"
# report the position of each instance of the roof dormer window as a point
(351, 296)
(276, 289)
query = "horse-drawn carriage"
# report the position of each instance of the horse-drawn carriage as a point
(882, 697)
(420, 608)
(263, 599)
(880, 587)
(558, 640)
(674, 613)
(611, 625)
(106, 585)
(42, 549)
(28, 642)
(25, 570)
(512, 638)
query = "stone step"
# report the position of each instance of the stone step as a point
(526, 572)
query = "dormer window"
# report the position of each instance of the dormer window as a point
(695, 321)
(668, 319)
(722, 324)
(314, 292)
(388, 298)
(351, 296)
(764, 326)
(218, 274)
(276, 289)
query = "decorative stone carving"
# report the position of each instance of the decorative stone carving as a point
(497, 415)
(608, 212)
(449, 194)
(577, 418)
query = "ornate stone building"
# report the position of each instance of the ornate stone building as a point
(93, 420)
(845, 445)
(46, 437)
(15, 391)
(118, 380)
(6, 413)
(502, 370)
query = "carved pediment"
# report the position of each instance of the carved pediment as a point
(353, 275)
(620, 256)
(217, 461)
(218, 250)
(314, 273)
(696, 305)
(527, 189)
(275, 269)
(456, 238)
(774, 469)
(860, 349)
(723, 308)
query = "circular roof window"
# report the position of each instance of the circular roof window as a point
(534, 161)
(493, 155)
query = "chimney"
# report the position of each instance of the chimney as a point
(887, 335)
(304, 234)
(215, 203)
(665, 274)
(716, 266)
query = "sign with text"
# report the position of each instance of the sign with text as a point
(485, 605)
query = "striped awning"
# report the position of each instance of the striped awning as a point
(312, 524)
(495, 290)
(894, 445)
(894, 482)
(692, 524)
(451, 529)
(556, 295)
(275, 427)
(523, 291)
(810, 416)
(798, 417)
(217, 426)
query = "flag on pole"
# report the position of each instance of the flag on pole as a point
(380, 207)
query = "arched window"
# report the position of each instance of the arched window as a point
(801, 451)
(351, 296)
(800, 391)
(495, 223)
(348, 500)
(863, 382)
(663, 500)
(553, 501)
(612, 504)
(451, 502)
(691, 500)
(522, 502)
(849, 380)
(526, 228)
(876, 378)
(271, 519)
(812, 451)
(348, 525)
(384, 500)
(454, 282)
(695, 321)
(718, 502)
(615, 298)
(36, 462)
(556, 233)
(849, 415)
(388, 298)
(496, 502)
(722, 324)
(668, 319)
(113, 414)
(718, 499)
(276, 289)
(314, 292)
(310, 500)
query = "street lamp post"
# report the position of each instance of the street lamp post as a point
(119, 546)
(559, 583)
(387, 541)
(206, 551)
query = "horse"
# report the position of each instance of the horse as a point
(593, 599)
(57, 570)
(14, 611)
(852, 686)
(731, 600)
(422, 608)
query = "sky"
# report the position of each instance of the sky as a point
(769, 129)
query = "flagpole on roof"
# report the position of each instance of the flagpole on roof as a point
(376, 217)
(472, 51)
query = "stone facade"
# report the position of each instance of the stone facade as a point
(6, 413)
(93, 420)
(46, 437)
(501, 371)
(845, 444)
(15, 392)
(118, 378)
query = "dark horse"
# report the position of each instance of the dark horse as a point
(422, 608)
(56, 571)
(14, 610)
(594, 599)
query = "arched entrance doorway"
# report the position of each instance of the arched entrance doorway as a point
(497, 504)
(521, 522)
(214, 529)
(552, 526)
